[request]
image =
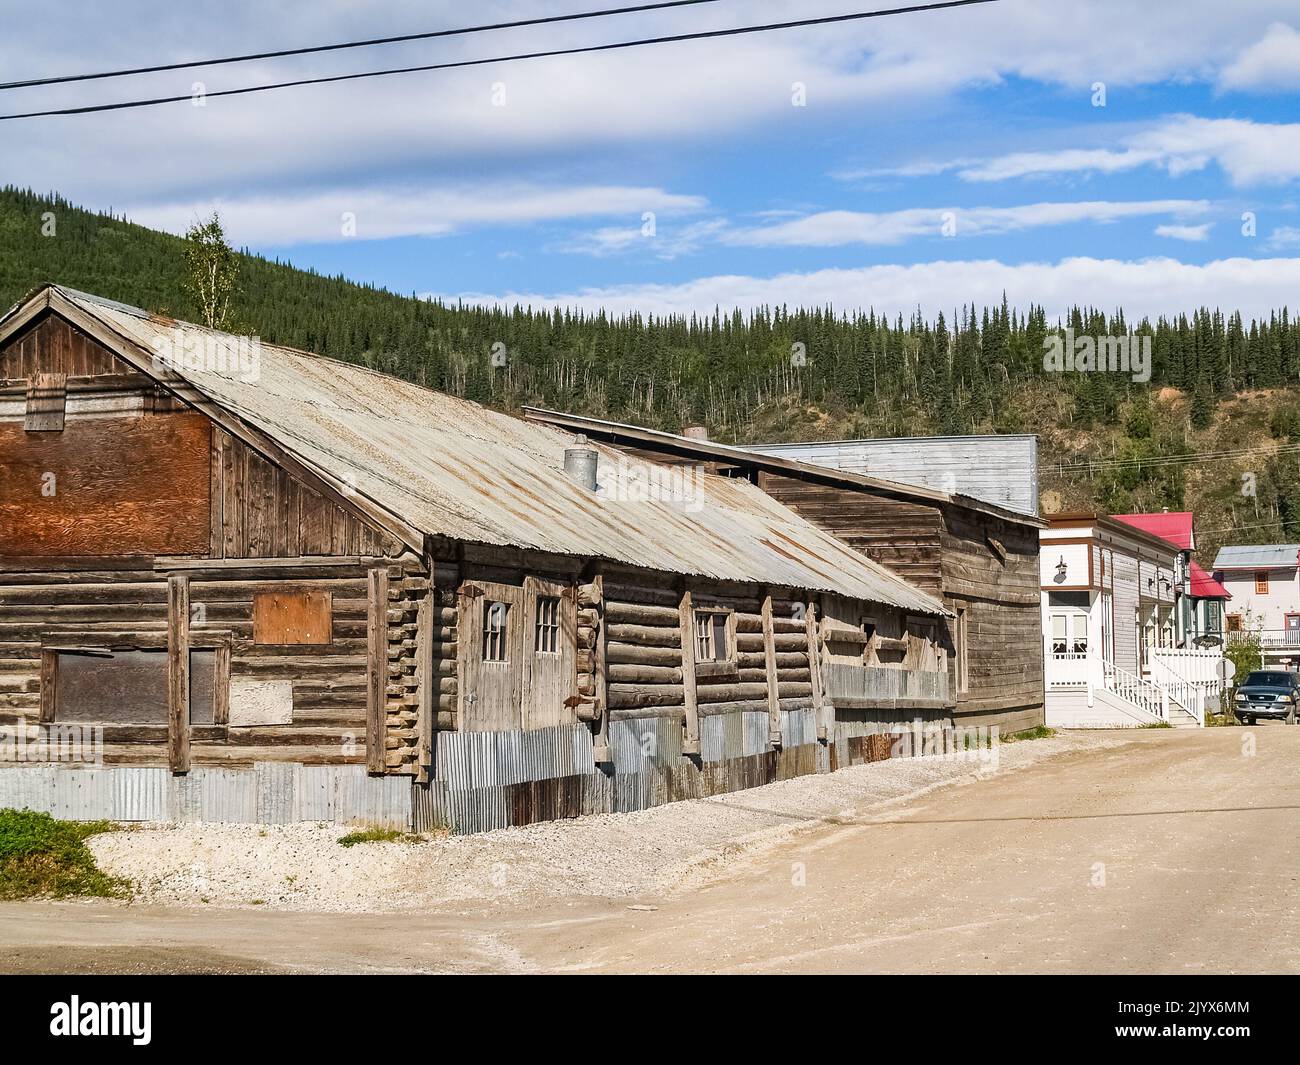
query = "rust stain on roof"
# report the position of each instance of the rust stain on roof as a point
(449, 467)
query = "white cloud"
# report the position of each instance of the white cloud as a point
(1141, 287)
(1191, 233)
(838, 228)
(1273, 62)
(663, 241)
(1284, 237)
(1250, 153)
(682, 95)
(429, 212)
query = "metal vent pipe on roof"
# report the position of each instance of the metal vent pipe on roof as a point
(580, 462)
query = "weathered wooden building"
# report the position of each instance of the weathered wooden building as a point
(980, 558)
(274, 586)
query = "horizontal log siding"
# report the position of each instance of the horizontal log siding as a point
(645, 653)
(329, 698)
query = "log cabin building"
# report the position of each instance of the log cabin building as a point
(274, 587)
(979, 557)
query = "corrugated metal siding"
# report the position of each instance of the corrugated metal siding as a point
(1002, 470)
(266, 793)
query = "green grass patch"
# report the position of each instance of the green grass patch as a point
(1157, 724)
(377, 835)
(41, 857)
(1038, 732)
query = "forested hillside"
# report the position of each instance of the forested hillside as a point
(1218, 383)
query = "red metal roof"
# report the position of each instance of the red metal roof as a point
(1206, 587)
(1174, 526)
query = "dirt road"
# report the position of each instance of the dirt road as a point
(1175, 851)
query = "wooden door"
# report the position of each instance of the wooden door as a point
(551, 645)
(490, 638)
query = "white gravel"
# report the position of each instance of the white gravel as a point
(302, 866)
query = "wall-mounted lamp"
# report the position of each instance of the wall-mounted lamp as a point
(1060, 570)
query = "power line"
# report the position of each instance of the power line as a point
(372, 42)
(1173, 460)
(735, 31)
(1245, 528)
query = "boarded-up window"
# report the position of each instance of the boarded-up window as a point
(128, 687)
(107, 486)
(293, 617)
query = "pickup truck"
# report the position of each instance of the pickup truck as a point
(1267, 693)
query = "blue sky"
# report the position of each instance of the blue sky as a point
(928, 159)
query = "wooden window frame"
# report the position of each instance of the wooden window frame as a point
(1261, 582)
(728, 663)
(55, 643)
(1233, 623)
(552, 628)
(500, 634)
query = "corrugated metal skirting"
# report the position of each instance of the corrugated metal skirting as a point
(265, 793)
(482, 780)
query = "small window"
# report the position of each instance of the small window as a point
(547, 637)
(1261, 583)
(711, 637)
(494, 631)
(1234, 623)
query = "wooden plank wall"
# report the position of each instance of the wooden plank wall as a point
(950, 552)
(52, 345)
(990, 569)
(261, 511)
(906, 537)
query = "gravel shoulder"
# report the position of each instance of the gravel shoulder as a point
(661, 852)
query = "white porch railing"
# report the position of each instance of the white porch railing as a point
(1075, 669)
(1193, 678)
(1187, 679)
(1130, 686)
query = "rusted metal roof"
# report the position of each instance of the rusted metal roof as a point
(449, 467)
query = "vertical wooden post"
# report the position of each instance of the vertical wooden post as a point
(426, 680)
(178, 673)
(774, 738)
(600, 673)
(377, 670)
(686, 611)
(221, 685)
(815, 668)
(49, 684)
